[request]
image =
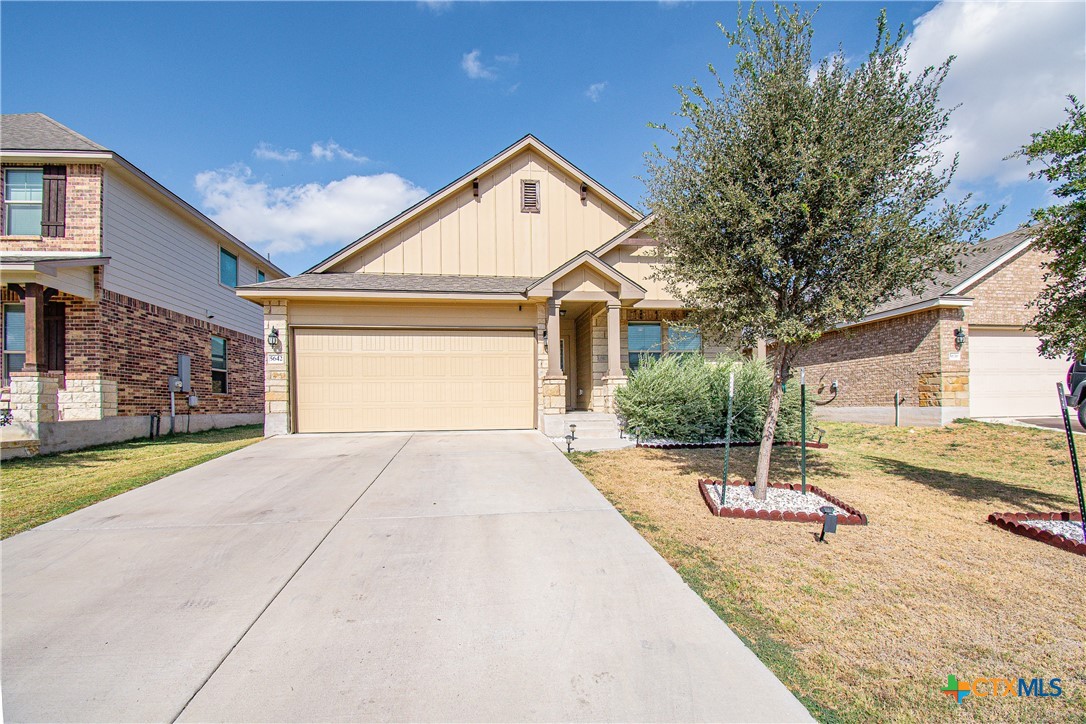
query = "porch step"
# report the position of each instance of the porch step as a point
(590, 425)
(18, 448)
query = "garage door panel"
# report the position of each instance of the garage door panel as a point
(1008, 378)
(377, 380)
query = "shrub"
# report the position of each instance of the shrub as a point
(685, 398)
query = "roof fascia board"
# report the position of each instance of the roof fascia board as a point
(448, 190)
(55, 155)
(629, 232)
(937, 303)
(587, 257)
(998, 262)
(258, 294)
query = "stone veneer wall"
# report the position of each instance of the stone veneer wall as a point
(82, 215)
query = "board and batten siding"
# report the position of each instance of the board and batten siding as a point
(639, 264)
(492, 235)
(159, 257)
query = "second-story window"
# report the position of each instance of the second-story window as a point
(22, 201)
(228, 268)
(260, 276)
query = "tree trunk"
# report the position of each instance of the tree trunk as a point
(765, 450)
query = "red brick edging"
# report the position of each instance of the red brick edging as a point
(735, 443)
(1019, 523)
(855, 517)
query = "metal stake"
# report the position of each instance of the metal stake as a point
(728, 436)
(803, 428)
(1074, 456)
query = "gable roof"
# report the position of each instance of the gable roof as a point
(628, 288)
(975, 262)
(528, 141)
(628, 233)
(39, 132)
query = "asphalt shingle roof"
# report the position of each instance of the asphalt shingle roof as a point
(39, 132)
(974, 257)
(434, 283)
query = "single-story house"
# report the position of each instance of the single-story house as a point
(961, 348)
(520, 292)
(111, 284)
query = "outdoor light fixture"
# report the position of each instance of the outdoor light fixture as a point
(561, 312)
(475, 188)
(959, 337)
(584, 192)
(829, 525)
(546, 346)
(573, 432)
(273, 337)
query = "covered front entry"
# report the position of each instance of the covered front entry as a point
(1008, 378)
(379, 380)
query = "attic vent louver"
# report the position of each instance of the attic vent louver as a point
(529, 195)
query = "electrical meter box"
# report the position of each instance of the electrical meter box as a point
(184, 372)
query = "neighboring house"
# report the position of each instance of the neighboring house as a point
(517, 293)
(961, 348)
(107, 277)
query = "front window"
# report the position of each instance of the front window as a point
(644, 340)
(683, 340)
(218, 365)
(22, 201)
(228, 268)
(14, 340)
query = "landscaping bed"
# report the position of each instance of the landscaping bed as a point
(1063, 530)
(868, 628)
(784, 501)
(676, 445)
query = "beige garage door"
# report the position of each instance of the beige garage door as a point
(1007, 378)
(371, 380)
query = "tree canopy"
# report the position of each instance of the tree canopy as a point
(801, 195)
(1061, 231)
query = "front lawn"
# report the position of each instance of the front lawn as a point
(36, 490)
(869, 626)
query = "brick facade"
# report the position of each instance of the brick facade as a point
(135, 345)
(1002, 298)
(82, 215)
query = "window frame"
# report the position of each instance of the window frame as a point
(224, 370)
(9, 202)
(237, 267)
(261, 276)
(7, 352)
(642, 353)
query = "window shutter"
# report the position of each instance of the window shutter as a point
(54, 190)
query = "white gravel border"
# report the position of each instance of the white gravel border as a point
(782, 499)
(1069, 529)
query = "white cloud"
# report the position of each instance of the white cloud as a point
(595, 91)
(331, 150)
(473, 66)
(477, 69)
(293, 218)
(1016, 62)
(437, 7)
(268, 152)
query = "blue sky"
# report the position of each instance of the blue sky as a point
(301, 126)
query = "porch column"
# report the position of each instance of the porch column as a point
(614, 340)
(554, 339)
(34, 319)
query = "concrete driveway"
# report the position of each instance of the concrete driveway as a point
(458, 576)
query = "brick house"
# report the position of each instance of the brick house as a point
(961, 348)
(110, 284)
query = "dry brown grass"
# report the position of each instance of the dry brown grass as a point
(870, 625)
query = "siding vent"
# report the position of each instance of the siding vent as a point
(584, 192)
(529, 194)
(475, 188)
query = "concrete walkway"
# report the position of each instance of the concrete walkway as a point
(453, 577)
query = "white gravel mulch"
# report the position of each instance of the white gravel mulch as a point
(782, 499)
(1070, 529)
